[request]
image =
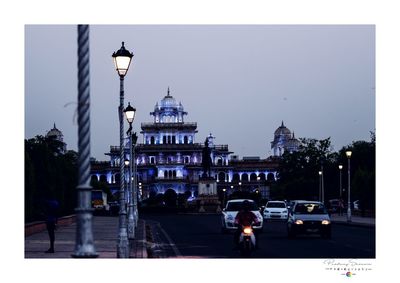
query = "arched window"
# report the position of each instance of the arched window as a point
(174, 173)
(152, 140)
(93, 178)
(253, 177)
(245, 177)
(270, 177)
(262, 176)
(221, 177)
(164, 139)
(169, 139)
(173, 140)
(103, 178)
(219, 161)
(117, 178)
(165, 174)
(235, 177)
(185, 139)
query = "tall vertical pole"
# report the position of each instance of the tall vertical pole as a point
(340, 190)
(348, 192)
(135, 195)
(322, 185)
(131, 217)
(123, 243)
(84, 244)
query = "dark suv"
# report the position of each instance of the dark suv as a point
(309, 217)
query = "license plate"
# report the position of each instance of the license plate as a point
(312, 230)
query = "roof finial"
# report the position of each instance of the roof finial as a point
(54, 125)
(282, 124)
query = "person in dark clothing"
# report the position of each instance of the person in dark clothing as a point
(51, 222)
(245, 217)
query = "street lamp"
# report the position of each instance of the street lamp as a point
(340, 189)
(348, 154)
(122, 60)
(320, 186)
(130, 116)
(223, 201)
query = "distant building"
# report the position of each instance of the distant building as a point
(283, 141)
(57, 135)
(170, 158)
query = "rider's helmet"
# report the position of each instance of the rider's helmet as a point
(246, 205)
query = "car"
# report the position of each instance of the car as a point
(275, 210)
(308, 217)
(232, 208)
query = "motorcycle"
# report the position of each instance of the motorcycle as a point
(247, 241)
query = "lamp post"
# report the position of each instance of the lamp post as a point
(340, 189)
(84, 243)
(320, 186)
(134, 189)
(130, 116)
(223, 200)
(348, 154)
(122, 60)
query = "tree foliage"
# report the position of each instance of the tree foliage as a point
(48, 174)
(299, 178)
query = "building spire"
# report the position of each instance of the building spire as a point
(54, 125)
(168, 92)
(282, 124)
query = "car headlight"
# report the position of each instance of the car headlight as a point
(325, 222)
(299, 222)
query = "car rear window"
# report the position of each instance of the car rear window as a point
(310, 208)
(237, 206)
(276, 204)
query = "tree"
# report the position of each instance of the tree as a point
(49, 174)
(298, 172)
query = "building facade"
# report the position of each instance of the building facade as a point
(170, 158)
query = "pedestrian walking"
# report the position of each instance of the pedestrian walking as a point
(51, 210)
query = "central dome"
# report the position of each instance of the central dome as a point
(169, 101)
(282, 130)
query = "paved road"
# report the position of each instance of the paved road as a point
(199, 236)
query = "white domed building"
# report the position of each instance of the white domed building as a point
(283, 141)
(57, 135)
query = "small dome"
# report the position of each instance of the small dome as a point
(169, 101)
(293, 142)
(54, 132)
(282, 130)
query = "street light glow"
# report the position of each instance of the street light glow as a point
(122, 60)
(130, 113)
(348, 153)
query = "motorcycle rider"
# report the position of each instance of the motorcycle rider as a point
(245, 217)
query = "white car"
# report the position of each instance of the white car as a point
(232, 208)
(276, 210)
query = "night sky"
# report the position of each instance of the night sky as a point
(238, 82)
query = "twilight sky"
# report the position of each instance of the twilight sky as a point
(236, 81)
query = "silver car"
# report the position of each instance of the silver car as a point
(309, 217)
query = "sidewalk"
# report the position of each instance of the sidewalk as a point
(355, 220)
(105, 233)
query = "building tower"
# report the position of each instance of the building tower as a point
(283, 141)
(57, 135)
